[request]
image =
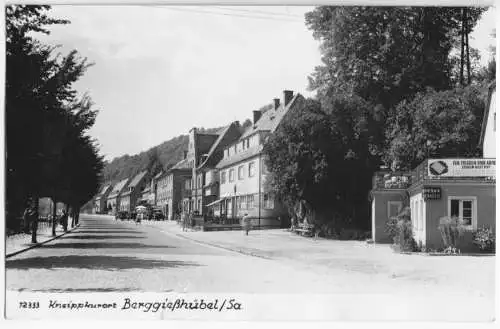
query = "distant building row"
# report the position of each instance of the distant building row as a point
(222, 175)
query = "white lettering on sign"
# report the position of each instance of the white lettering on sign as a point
(461, 167)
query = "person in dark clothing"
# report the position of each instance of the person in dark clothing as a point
(64, 220)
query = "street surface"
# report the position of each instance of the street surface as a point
(105, 255)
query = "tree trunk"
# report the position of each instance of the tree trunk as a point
(54, 216)
(77, 215)
(462, 46)
(467, 48)
(34, 221)
(73, 215)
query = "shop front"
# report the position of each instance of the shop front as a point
(438, 188)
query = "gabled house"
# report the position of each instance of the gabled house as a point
(207, 172)
(243, 171)
(130, 195)
(173, 188)
(113, 200)
(100, 204)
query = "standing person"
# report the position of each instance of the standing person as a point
(184, 220)
(246, 223)
(64, 220)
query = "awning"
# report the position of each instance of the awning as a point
(216, 202)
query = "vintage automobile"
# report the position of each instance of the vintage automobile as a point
(121, 215)
(157, 214)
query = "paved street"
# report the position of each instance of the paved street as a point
(104, 255)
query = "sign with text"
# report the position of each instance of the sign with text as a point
(432, 193)
(461, 168)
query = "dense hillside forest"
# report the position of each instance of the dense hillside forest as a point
(153, 160)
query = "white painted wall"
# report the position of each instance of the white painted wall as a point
(489, 143)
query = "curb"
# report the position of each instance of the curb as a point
(240, 251)
(40, 243)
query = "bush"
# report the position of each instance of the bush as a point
(484, 238)
(452, 230)
(404, 241)
(399, 228)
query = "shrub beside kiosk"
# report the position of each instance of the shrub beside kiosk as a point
(437, 189)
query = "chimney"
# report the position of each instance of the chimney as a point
(185, 154)
(256, 116)
(287, 96)
(276, 103)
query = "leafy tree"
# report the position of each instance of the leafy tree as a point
(436, 124)
(45, 118)
(385, 54)
(319, 157)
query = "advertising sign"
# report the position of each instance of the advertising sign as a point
(461, 168)
(432, 193)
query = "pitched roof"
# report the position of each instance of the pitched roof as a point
(269, 121)
(103, 190)
(491, 90)
(215, 145)
(183, 164)
(137, 179)
(118, 188)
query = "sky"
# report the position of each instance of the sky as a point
(159, 71)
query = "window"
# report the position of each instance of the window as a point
(235, 150)
(199, 181)
(231, 175)
(251, 169)
(240, 172)
(199, 205)
(248, 142)
(268, 201)
(241, 202)
(464, 208)
(223, 177)
(250, 204)
(393, 208)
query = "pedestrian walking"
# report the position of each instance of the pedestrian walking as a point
(246, 223)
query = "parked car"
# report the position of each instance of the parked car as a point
(157, 214)
(121, 215)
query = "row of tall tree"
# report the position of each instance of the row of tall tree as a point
(397, 84)
(49, 153)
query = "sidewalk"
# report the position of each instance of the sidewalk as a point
(355, 257)
(21, 241)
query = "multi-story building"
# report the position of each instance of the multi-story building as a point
(207, 174)
(199, 145)
(113, 200)
(243, 172)
(100, 204)
(145, 195)
(161, 191)
(130, 195)
(174, 182)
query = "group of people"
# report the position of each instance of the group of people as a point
(30, 219)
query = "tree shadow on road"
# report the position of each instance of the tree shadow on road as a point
(99, 245)
(102, 237)
(56, 290)
(98, 231)
(106, 263)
